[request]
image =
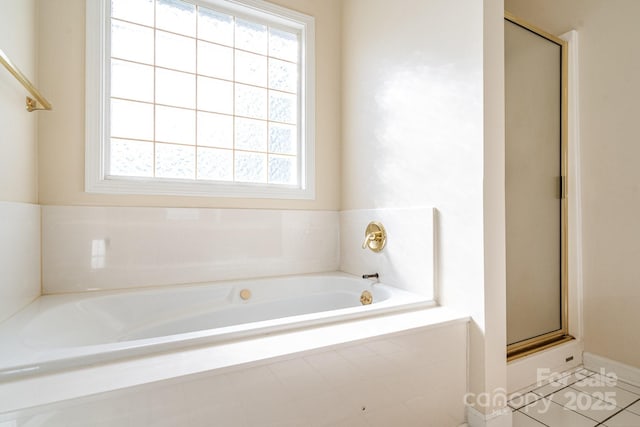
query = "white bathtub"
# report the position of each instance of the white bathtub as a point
(62, 331)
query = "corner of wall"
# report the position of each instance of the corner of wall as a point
(19, 256)
(406, 262)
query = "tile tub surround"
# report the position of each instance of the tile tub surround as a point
(407, 261)
(386, 376)
(580, 398)
(19, 256)
(88, 248)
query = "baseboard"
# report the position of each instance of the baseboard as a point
(627, 373)
(501, 418)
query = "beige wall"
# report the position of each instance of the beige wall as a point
(609, 89)
(61, 140)
(414, 135)
(19, 216)
(18, 159)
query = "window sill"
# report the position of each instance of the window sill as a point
(177, 187)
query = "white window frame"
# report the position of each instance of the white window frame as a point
(97, 108)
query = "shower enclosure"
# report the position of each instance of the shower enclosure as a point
(536, 203)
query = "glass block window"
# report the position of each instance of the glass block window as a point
(210, 92)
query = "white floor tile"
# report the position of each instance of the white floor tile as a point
(598, 388)
(624, 419)
(548, 389)
(525, 390)
(572, 377)
(629, 387)
(518, 401)
(522, 420)
(584, 404)
(552, 414)
(635, 408)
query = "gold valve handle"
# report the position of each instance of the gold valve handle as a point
(375, 237)
(371, 237)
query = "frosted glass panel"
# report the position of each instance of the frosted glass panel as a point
(283, 45)
(533, 160)
(215, 164)
(202, 94)
(215, 60)
(131, 158)
(175, 125)
(282, 138)
(251, 36)
(251, 167)
(175, 88)
(215, 27)
(215, 130)
(282, 107)
(131, 81)
(282, 170)
(251, 101)
(251, 135)
(175, 161)
(283, 75)
(130, 41)
(176, 16)
(174, 51)
(215, 95)
(131, 119)
(251, 68)
(138, 11)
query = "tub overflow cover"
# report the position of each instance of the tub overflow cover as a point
(366, 298)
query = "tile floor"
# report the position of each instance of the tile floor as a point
(578, 398)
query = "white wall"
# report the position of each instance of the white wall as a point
(609, 88)
(61, 26)
(19, 218)
(409, 238)
(413, 121)
(423, 123)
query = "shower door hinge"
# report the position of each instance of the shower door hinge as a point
(563, 187)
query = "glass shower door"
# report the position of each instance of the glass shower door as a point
(535, 206)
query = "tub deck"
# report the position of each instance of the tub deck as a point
(219, 357)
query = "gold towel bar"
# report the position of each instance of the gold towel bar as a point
(32, 104)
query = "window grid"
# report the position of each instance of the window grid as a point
(197, 74)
